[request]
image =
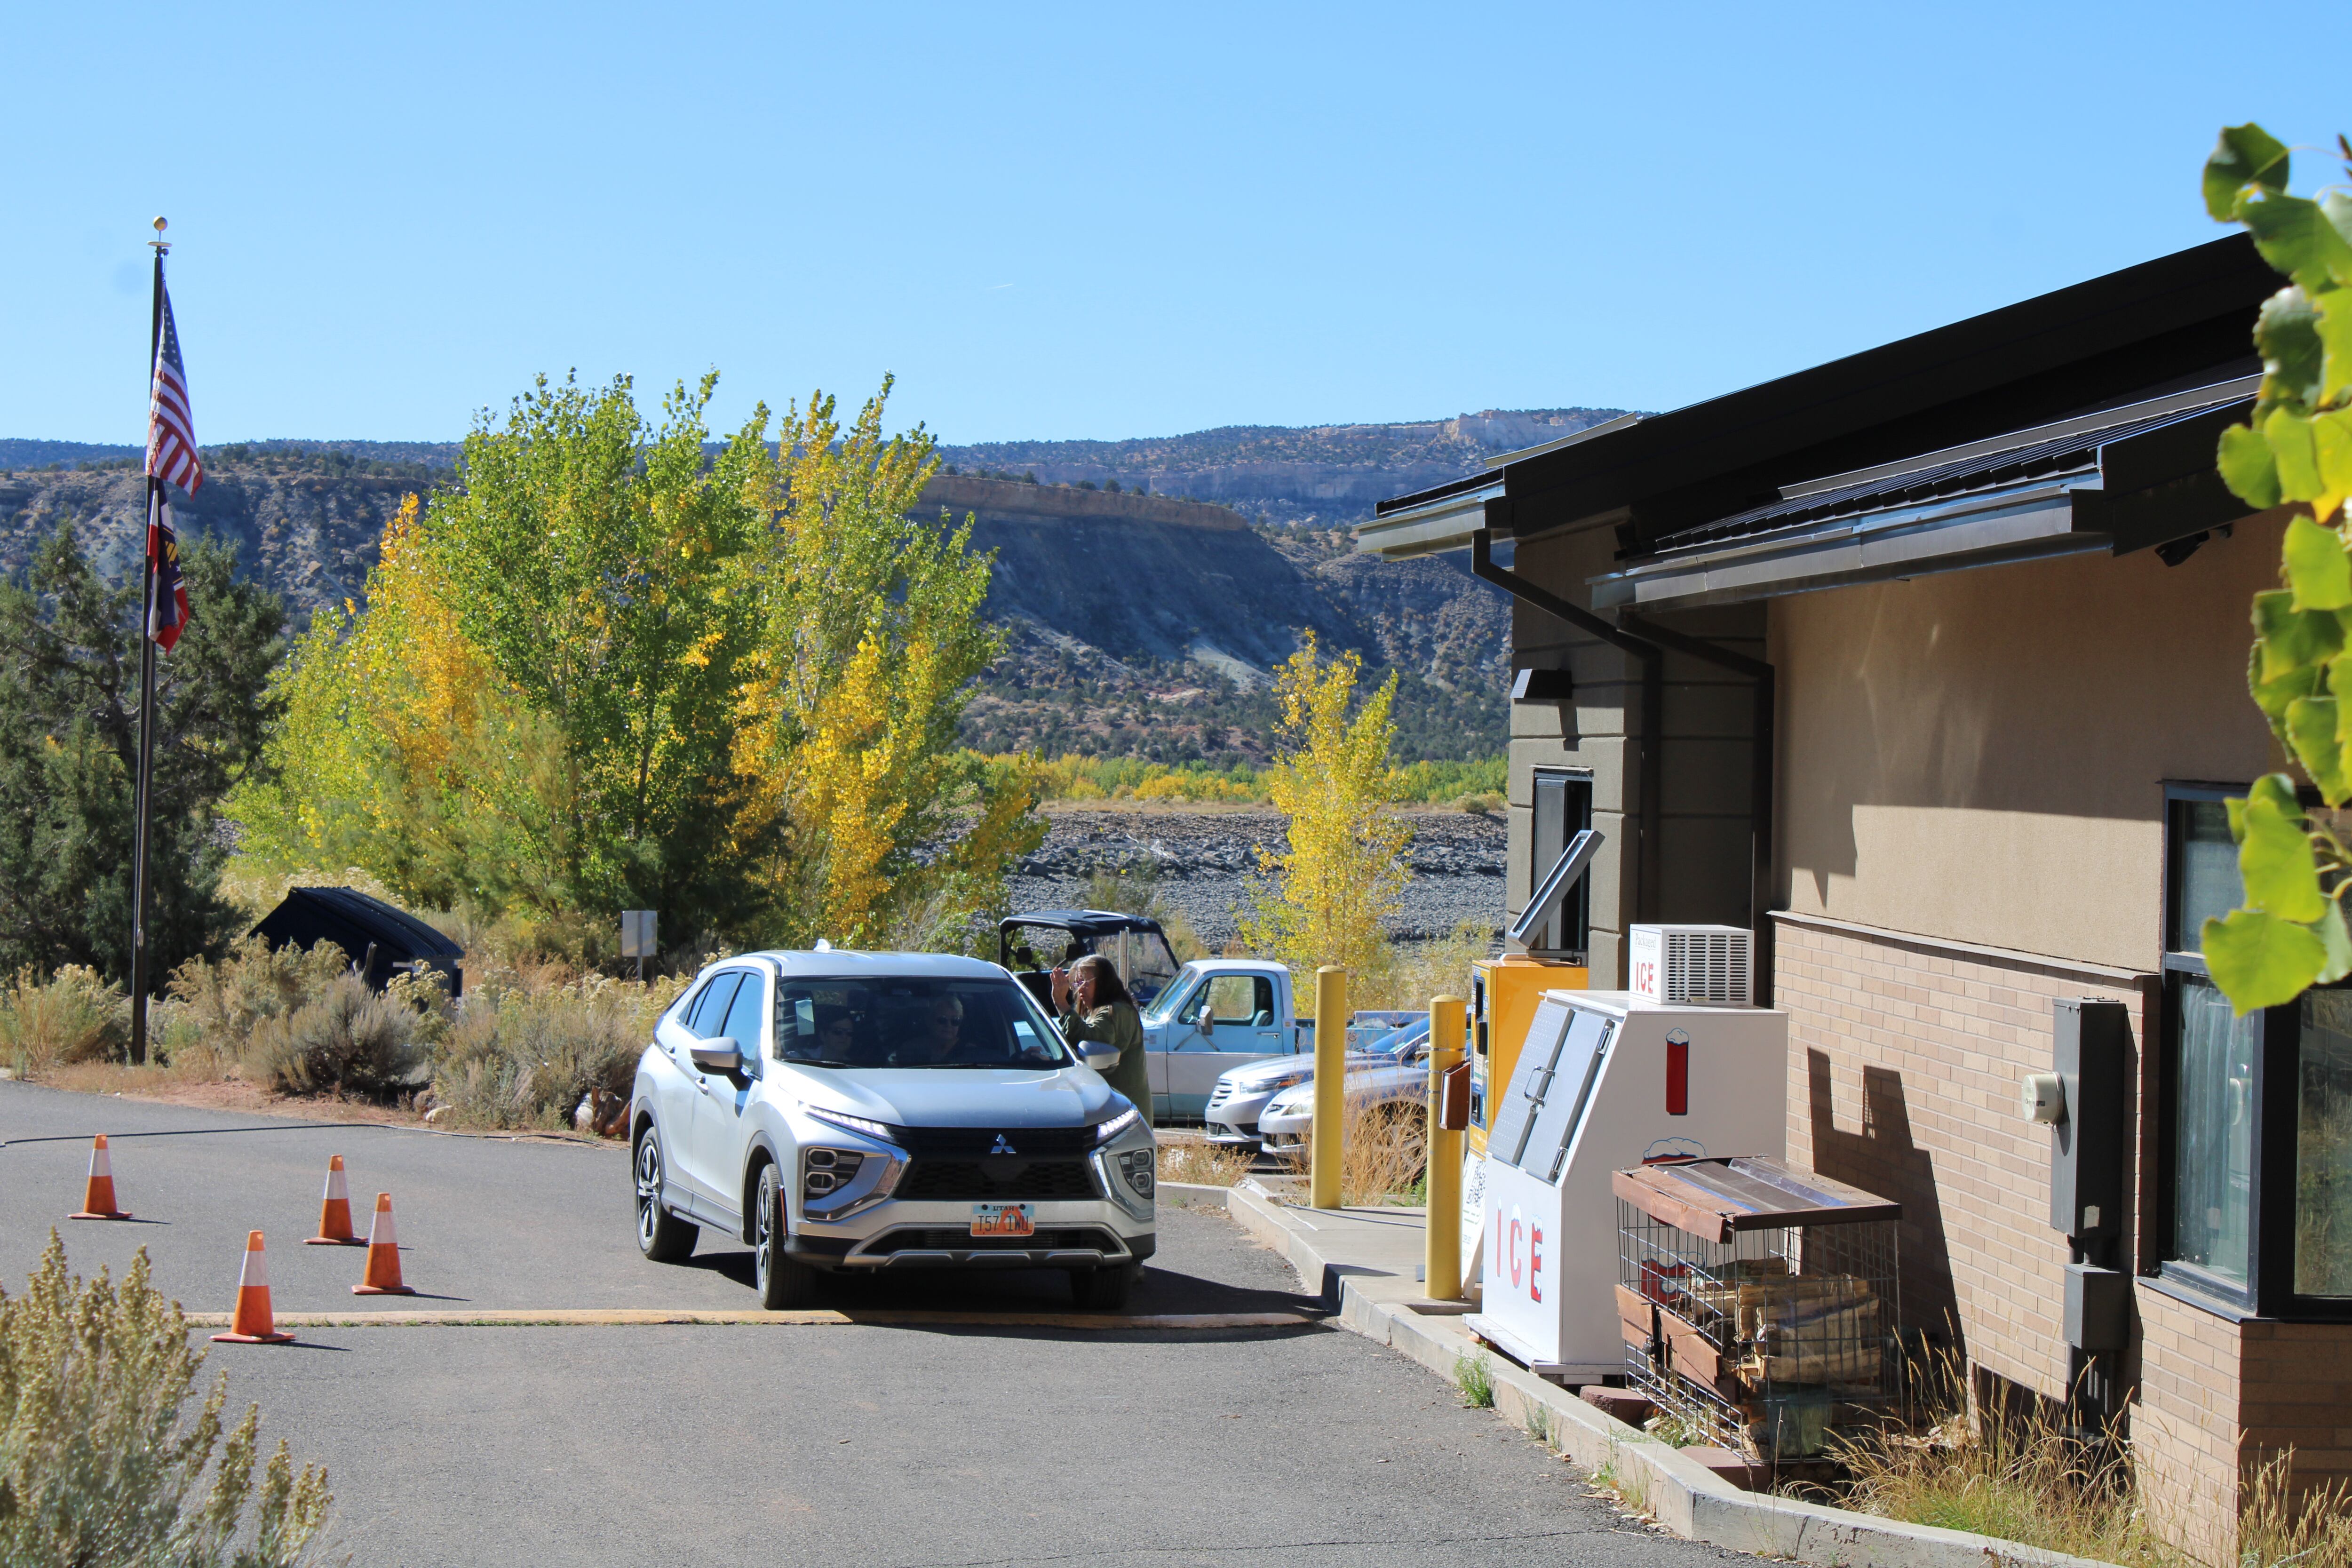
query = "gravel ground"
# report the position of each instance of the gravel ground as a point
(1205, 859)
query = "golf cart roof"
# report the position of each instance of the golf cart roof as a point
(1080, 923)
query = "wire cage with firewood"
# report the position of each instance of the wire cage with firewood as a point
(1757, 1300)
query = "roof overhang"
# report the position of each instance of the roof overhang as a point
(1445, 524)
(2132, 479)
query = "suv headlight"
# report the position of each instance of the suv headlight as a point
(1128, 1176)
(1116, 1125)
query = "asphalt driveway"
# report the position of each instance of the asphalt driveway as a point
(967, 1443)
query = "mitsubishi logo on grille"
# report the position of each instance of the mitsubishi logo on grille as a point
(1004, 1146)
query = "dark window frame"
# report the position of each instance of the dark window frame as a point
(2269, 1290)
(1573, 924)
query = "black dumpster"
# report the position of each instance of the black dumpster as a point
(370, 932)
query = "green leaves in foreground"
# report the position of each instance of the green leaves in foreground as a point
(2291, 933)
(2296, 448)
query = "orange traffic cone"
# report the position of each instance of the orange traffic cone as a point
(252, 1324)
(335, 1211)
(384, 1255)
(97, 1202)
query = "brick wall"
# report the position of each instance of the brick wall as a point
(2185, 1427)
(1904, 1057)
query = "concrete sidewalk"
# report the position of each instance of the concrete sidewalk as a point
(1365, 1264)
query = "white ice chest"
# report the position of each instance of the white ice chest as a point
(1606, 1081)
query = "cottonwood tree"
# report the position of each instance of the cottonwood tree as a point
(1325, 899)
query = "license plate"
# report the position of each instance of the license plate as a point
(1002, 1219)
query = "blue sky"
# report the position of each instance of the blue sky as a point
(1087, 221)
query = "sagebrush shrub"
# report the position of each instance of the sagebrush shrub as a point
(350, 1040)
(96, 1464)
(75, 1016)
(526, 1058)
(224, 1003)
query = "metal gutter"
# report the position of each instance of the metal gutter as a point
(2018, 523)
(1445, 524)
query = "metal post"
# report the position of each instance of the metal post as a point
(1441, 1252)
(146, 769)
(1331, 1087)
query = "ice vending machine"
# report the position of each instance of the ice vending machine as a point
(1605, 1080)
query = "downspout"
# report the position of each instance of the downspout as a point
(1647, 745)
(1760, 802)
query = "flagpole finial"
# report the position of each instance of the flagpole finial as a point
(159, 242)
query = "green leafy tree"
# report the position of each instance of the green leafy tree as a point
(69, 748)
(875, 825)
(2295, 451)
(1326, 897)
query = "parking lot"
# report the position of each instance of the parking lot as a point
(967, 1438)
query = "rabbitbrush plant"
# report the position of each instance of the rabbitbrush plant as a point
(2295, 451)
(97, 1466)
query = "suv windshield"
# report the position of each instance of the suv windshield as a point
(871, 1022)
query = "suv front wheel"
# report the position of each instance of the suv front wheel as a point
(784, 1281)
(661, 1235)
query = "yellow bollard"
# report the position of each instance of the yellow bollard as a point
(1441, 1254)
(1329, 1144)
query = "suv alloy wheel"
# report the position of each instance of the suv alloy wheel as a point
(784, 1281)
(661, 1235)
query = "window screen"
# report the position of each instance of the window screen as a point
(1530, 1081)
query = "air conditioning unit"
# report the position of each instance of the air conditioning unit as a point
(1706, 966)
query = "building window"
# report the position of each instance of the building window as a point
(1563, 808)
(2255, 1113)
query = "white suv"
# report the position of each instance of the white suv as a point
(853, 1111)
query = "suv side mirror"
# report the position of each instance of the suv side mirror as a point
(721, 1055)
(1093, 1051)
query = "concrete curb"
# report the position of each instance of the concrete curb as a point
(1690, 1501)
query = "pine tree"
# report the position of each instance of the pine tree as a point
(69, 748)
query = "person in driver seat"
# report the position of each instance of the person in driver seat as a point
(939, 1037)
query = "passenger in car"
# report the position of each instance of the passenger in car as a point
(1094, 1005)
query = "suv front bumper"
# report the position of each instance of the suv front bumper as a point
(895, 1236)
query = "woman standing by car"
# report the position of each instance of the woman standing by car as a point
(1094, 1005)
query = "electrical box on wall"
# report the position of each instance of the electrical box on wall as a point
(2092, 1040)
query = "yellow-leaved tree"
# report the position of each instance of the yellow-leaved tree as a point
(883, 831)
(1329, 896)
(614, 670)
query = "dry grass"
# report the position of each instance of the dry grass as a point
(1384, 1153)
(1202, 1162)
(2027, 1479)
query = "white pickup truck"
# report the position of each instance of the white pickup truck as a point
(1199, 1019)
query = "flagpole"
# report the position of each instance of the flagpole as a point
(146, 692)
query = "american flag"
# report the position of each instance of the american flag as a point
(170, 433)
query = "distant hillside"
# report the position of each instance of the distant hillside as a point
(1149, 587)
(1326, 475)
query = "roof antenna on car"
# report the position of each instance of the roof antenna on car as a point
(822, 946)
